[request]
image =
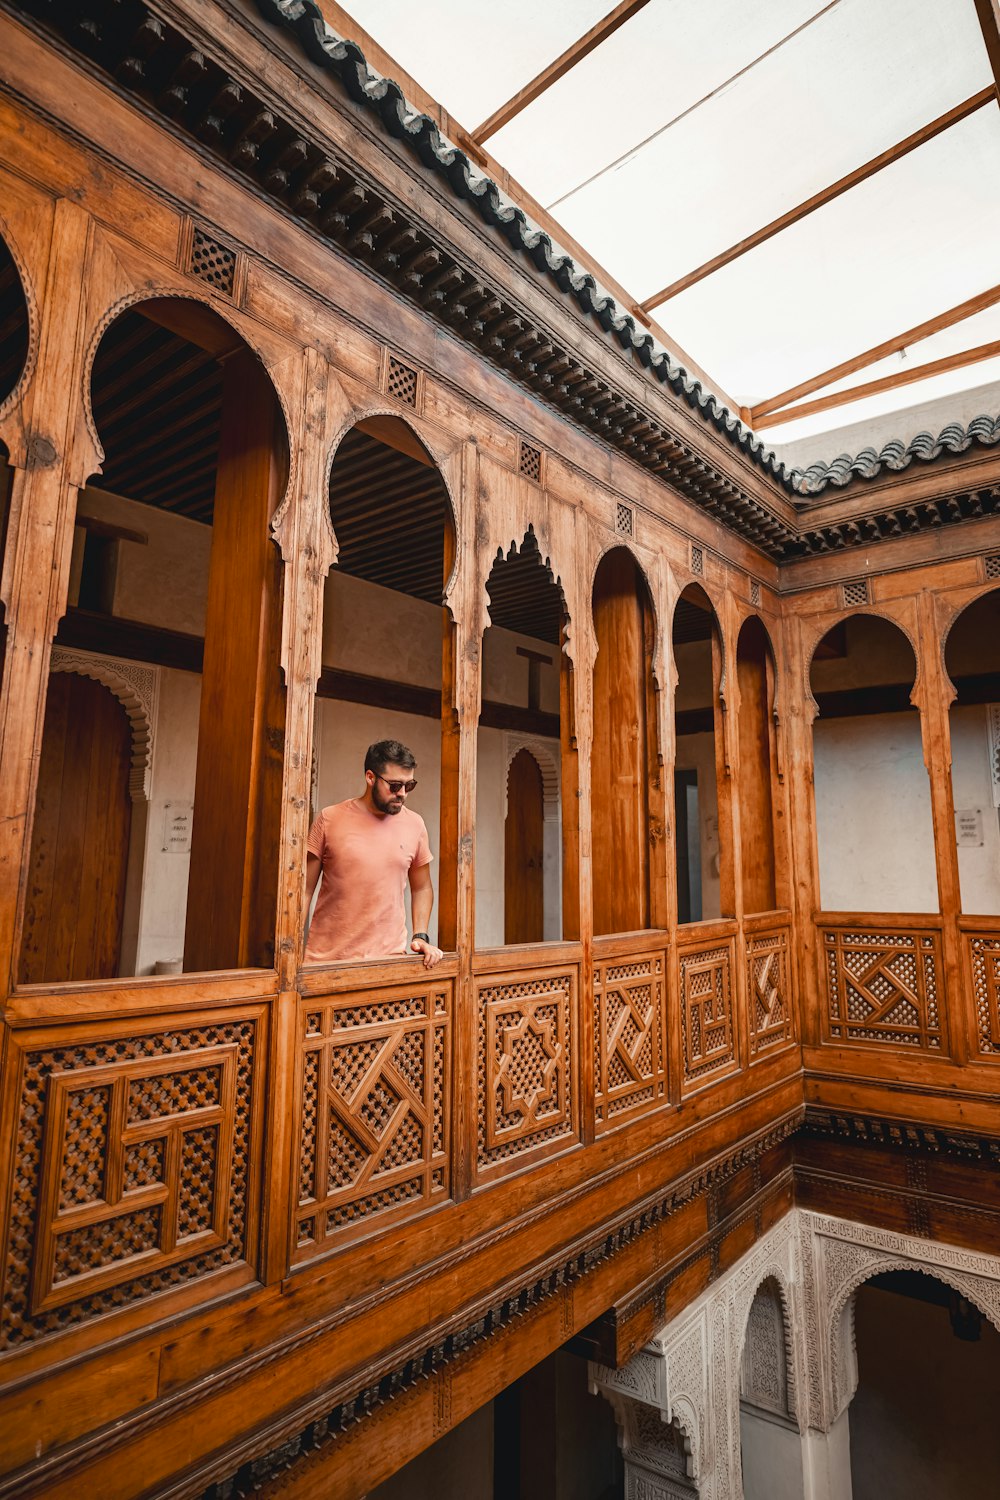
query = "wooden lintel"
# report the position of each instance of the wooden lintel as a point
(194, 322)
(887, 383)
(556, 70)
(826, 195)
(920, 331)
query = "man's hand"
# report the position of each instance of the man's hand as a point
(431, 955)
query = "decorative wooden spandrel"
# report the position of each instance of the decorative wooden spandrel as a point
(133, 1172)
(374, 1139)
(629, 1062)
(707, 1028)
(768, 999)
(883, 987)
(984, 955)
(526, 1103)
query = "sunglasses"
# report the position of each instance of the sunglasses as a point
(397, 787)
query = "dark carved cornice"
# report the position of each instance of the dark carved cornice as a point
(148, 60)
(901, 1135)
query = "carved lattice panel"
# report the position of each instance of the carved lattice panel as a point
(133, 1171)
(984, 953)
(768, 997)
(629, 1064)
(525, 1079)
(708, 1033)
(883, 987)
(373, 1139)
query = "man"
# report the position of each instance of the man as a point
(366, 849)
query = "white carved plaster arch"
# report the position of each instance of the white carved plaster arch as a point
(546, 761)
(438, 462)
(137, 689)
(843, 1351)
(239, 326)
(16, 395)
(626, 544)
(776, 1274)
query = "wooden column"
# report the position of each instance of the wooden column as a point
(728, 815)
(757, 854)
(458, 816)
(656, 798)
(934, 697)
(241, 730)
(798, 745)
(39, 543)
(570, 792)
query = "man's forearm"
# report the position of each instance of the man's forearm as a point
(421, 905)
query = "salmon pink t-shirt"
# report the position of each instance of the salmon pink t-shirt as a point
(366, 862)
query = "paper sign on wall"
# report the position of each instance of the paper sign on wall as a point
(969, 827)
(177, 820)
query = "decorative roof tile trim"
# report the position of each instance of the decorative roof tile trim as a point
(867, 464)
(347, 62)
(345, 59)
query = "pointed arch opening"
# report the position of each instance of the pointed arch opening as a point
(524, 756)
(627, 805)
(704, 862)
(760, 846)
(770, 1447)
(176, 582)
(14, 343)
(872, 796)
(972, 660)
(387, 668)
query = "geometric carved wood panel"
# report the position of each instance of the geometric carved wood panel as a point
(629, 1066)
(768, 998)
(884, 987)
(984, 954)
(707, 1027)
(133, 1161)
(375, 1086)
(526, 1103)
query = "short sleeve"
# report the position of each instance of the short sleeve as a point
(422, 855)
(317, 836)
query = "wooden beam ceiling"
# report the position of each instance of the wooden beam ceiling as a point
(887, 383)
(957, 314)
(556, 70)
(989, 24)
(826, 195)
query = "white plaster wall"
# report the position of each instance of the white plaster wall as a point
(163, 906)
(165, 581)
(979, 869)
(505, 674)
(378, 632)
(873, 815)
(696, 752)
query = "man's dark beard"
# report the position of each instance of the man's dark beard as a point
(389, 804)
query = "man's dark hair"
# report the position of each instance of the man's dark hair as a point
(388, 753)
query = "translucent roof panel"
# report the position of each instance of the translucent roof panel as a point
(905, 244)
(860, 79)
(696, 48)
(471, 55)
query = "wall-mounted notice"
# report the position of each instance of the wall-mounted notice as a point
(177, 820)
(969, 827)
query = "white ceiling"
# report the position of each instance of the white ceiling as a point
(696, 124)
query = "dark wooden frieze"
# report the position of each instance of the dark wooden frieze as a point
(905, 1135)
(159, 69)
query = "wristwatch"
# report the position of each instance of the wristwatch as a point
(425, 936)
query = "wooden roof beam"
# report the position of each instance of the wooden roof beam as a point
(957, 314)
(989, 25)
(826, 195)
(556, 70)
(887, 383)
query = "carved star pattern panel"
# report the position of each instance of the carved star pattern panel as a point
(708, 1035)
(883, 987)
(768, 999)
(134, 1170)
(525, 1074)
(984, 955)
(629, 1064)
(374, 1138)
